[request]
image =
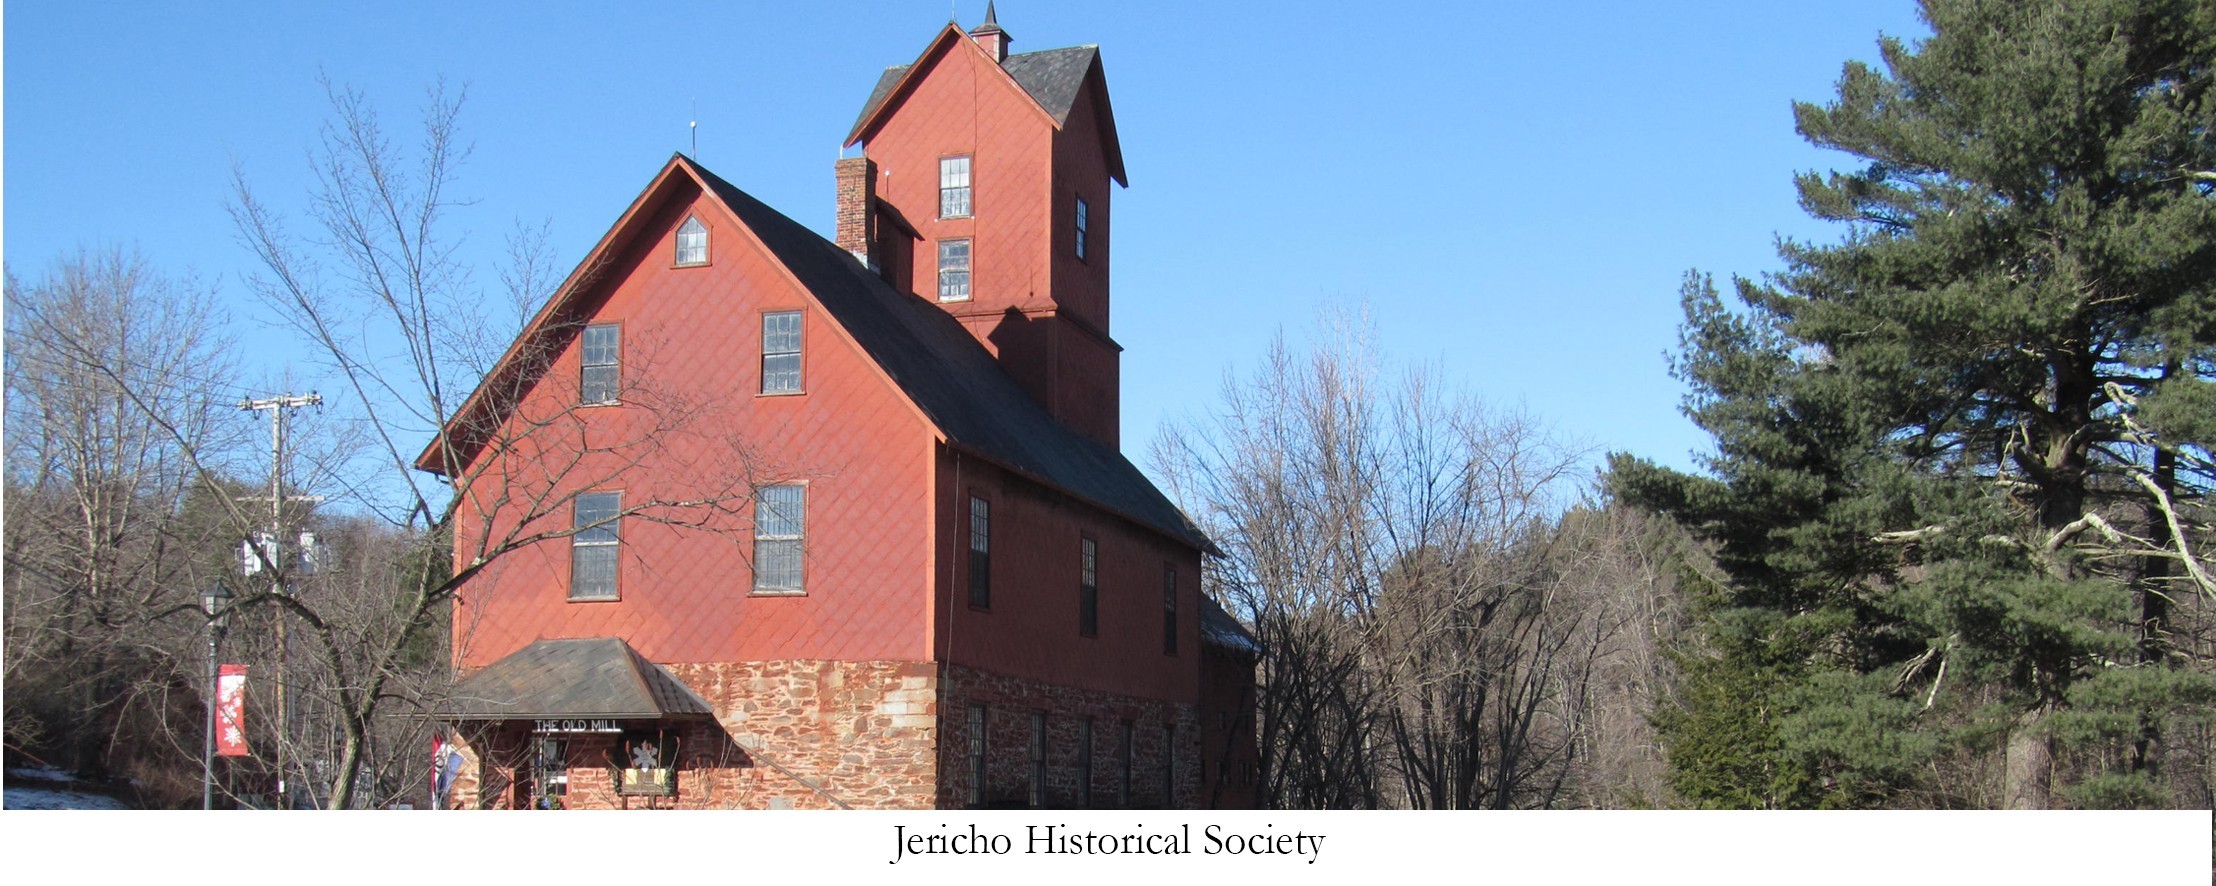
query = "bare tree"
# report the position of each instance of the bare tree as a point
(379, 295)
(1431, 635)
(111, 367)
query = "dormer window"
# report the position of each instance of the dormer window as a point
(692, 242)
(954, 187)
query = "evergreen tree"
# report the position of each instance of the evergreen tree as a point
(1963, 455)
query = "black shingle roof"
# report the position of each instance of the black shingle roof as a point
(1218, 628)
(600, 678)
(948, 375)
(1052, 76)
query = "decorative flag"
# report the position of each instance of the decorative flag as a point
(446, 762)
(230, 709)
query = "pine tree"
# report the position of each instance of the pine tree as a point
(1964, 454)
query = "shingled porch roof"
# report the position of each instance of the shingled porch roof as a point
(594, 678)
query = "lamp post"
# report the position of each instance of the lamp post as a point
(213, 603)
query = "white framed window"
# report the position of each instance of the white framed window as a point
(600, 359)
(1083, 224)
(781, 352)
(594, 542)
(692, 242)
(954, 187)
(780, 536)
(954, 270)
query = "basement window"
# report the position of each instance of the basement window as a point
(1123, 763)
(954, 268)
(977, 755)
(692, 243)
(1038, 760)
(1085, 763)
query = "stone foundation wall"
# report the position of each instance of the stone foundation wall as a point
(796, 734)
(788, 735)
(1156, 729)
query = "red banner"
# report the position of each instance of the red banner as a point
(230, 711)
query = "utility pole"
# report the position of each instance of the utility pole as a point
(269, 549)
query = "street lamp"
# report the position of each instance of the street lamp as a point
(213, 604)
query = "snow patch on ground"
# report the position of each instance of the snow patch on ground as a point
(38, 773)
(44, 798)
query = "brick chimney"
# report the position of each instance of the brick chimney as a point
(990, 36)
(857, 178)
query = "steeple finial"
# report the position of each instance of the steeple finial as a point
(990, 35)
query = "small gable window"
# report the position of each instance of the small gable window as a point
(692, 242)
(954, 267)
(593, 543)
(954, 187)
(601, 359)
(1082, 224)
(781, 352)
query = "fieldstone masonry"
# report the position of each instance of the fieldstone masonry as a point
(867, 735)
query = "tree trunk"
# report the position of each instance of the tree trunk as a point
(2029, 781)
(350, 759)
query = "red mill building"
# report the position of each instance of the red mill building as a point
(843, 525)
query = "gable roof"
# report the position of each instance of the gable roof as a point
(1052, 77)
(931, 359)
(597, 678)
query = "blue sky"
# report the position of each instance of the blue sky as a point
(1513, 190)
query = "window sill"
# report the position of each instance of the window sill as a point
(599, 403)
(949, 300)
(801, 592)
(698, 264)
(614, 599)
(782, 394)
(963, 217)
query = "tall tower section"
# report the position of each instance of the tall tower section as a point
(984, 187)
